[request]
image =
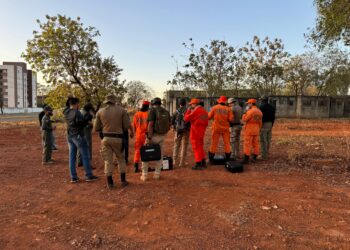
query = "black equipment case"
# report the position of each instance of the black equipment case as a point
(218, 160)
(234, 166)
(167, 163)
(150, 152)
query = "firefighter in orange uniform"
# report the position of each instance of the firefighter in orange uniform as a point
(198, 117)
(252, 120)
(222, 115)
(140, 125)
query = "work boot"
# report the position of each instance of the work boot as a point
(228, 156)
(255, 157)
(110, 182)
(198, 166)
(246, 159)
(204, 164)
(123, 180)
(136, 167)
(211, 156)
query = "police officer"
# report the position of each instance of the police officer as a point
(112, 121)
(268, 120)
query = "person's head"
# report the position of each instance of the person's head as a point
(157, 101)
(74, 103)
(194, 103)
(264, 99)
(222, 100)
(110, 99)
(48, 110)
(145, 106)
(251, 103)
(89, 107)
(231, 101)
(183, 102)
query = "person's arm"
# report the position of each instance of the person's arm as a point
(230, 115)
(273, 110)
(211, 113)
(189, 115)
(125, 121)
(151, 120)
(247, 116)
(98, 123)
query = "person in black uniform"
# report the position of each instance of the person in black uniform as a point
(53, 139)
(266, 131)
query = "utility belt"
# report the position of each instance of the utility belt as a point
(113, 135)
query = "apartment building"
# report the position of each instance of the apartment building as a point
(17, 86)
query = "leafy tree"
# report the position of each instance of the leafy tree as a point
(65, 51)
(57, 96)
(332, 23)
(298, 75)
(211, 68)
(136, 92)
(265, 59)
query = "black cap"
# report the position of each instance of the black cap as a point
(156, 101)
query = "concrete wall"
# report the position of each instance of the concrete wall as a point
(21, 110)
(290, 106)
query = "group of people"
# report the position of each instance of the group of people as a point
(150, 125)
(228, 120)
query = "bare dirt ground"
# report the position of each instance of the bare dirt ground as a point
(299, 199)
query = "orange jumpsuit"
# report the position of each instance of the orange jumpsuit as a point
(140, 124)
(253, 124)
(199, 122)
(222, 115)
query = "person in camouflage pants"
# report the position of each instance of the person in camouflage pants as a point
(46, 127)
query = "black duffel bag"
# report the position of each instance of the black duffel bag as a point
(218, 160)
(151, 152)
(234, 166)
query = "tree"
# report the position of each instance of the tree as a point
(65, 51)
(298, 75)
(57, 96)
(265, 59)
(136, 92)
(211, 68)
(332, 23)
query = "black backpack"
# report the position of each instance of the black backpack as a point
(180, 124)
(162, 123)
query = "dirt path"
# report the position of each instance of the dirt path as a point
(299, 199)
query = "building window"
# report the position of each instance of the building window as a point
(321, 103)
(307, 102)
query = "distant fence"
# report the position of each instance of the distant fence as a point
(21, 110)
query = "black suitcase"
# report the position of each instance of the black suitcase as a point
(167, 163)
(218, 160)
(150, 152)
(234, 166)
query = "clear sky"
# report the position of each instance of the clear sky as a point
(142, 35)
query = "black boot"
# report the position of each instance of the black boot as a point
(204, 164)
(228, 156)
(246, 159)
(211, 156)
(198, 166)
(123, 180)
(136, 167)
(110, 182)
(255, 158)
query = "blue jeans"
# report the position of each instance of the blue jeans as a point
(78, 142)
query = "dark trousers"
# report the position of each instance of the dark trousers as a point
(88, 137)
(47, 146)
(126, 145)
